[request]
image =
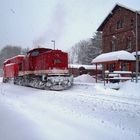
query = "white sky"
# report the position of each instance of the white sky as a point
(28, 22)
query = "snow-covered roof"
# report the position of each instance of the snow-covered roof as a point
(114, 56)
(134, 53)
(14, 57)
(89, 67)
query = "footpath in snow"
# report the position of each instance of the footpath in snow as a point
(84, 112)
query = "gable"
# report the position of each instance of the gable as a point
(116, 8)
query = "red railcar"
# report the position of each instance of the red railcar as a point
(12, 66)
(11, 70)
(41, 68)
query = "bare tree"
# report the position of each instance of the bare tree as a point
(24, 51)
(84, 51)
(9, 51)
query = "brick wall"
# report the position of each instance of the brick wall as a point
(119, 31)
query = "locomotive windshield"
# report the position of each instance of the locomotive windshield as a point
(35, 53)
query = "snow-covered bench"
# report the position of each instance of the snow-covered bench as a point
(117, 76)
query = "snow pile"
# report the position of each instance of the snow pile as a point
(130, 89)
(85, 78)
(127, 89)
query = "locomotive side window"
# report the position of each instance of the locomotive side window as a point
(35, 53)
(57, 61)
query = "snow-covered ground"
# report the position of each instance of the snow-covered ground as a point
(87, 111)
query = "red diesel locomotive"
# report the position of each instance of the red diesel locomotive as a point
(41, 68)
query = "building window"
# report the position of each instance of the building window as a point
(129, 43)
(112, 67)
(120, 24)
(132, 22)
(110, 29)
(124, 67)
(113, 43)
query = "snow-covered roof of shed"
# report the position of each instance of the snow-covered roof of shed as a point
(89, 67)
(114, 56)
(134, 53)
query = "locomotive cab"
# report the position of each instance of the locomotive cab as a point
(12, 67)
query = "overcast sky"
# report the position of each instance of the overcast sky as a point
(27, 23)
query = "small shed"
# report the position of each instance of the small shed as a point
(115, 61)
(79, 69)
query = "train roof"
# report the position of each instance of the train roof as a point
(39, 49)
(13, 58)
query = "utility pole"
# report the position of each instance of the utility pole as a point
(53, 44)
(137, 61)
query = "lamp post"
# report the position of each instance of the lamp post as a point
(53, 44)
(137, 62)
